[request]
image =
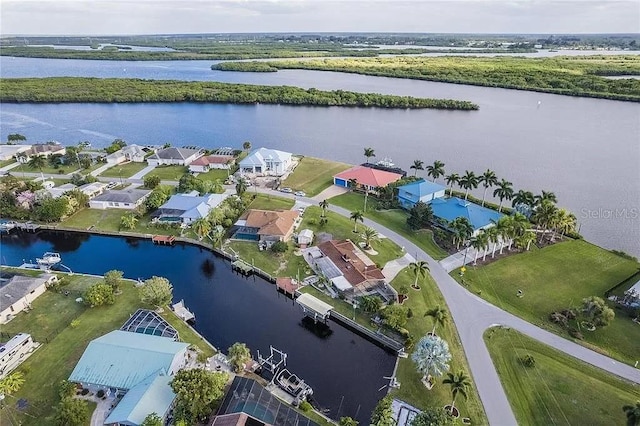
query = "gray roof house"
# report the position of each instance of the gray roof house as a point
(188, 208)
(177, 156)
(17, 293)
(134, 153)
(127, 199)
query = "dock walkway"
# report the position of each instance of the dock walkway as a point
(182, 312)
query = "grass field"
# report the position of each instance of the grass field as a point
(169, 172)
(123, 170)
(215, 174)
(412, 390)
(396, 220)
(559, 389)
(49, 323)
(559, 277)
(270, 202)
(62, 170)
(313, 175)
(277, 265)
(109, 220)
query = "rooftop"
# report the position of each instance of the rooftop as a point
(191, 206)
(422, 187)
(19, 286)
(270, 222)
(352, 263)
(212, 159)
(260, 155)
(152, 395)
(368, 176)
(175, 153)
(122, 196)
(121, 359)
(148, 322)
(452, 208)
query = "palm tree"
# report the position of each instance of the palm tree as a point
(324, 205)
(633, 414)
(431, 356)
(524, 241)
(368, 153)
(352, 184)
(565, 222)
(451, 179)
(480, 242)
(37, 162)
(128, 221)
(544, 215)
(503, 191)
(417, 165)
(436, 170)
(246, 145)
(202, 227)
(504, 229)
(523, 201)
(241, 187)
(420, 268)
(439, 315)
(459, 383)
(355, 217)
(369, 235)
(468, 181)
(370, 304)
(12, 383)
(461, 229)
(488, 180)
(546, 195)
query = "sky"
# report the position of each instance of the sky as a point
(119, 17)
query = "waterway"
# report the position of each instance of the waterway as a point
(344, 369)
(585, 150)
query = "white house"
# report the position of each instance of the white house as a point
(133, 153)
(266, 162)
(18, 293)
(208, 162)
(43, 149)
(126, 199)
(7, 152)
(174, 156)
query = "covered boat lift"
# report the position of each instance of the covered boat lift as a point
(314, 307)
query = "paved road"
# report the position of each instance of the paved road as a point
(473, 316)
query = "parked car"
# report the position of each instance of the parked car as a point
(300, 194)
(286, 190)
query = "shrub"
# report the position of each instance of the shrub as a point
(100, 393)
(305, 406)
(528, 361)
(279, 247)
(84, 391)
(75, 323)
(576, 334)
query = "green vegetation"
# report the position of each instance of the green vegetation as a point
(313, 175)
(215, 174)
(566, 75)
(269, 202)
(559, 389)
(394, 219)
(46, 169)
(174, 172)
(413, 390)
(286, 264)
(120, 90)
(570, 271)
(123, 170)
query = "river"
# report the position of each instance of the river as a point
(228, 309)
(585, 150)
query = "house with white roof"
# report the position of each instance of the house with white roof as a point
(174, 156)
(187, 208)
(126, 199)
(264, 161)
(133, 153)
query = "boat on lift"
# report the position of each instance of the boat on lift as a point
(48, 259)
(386, 162)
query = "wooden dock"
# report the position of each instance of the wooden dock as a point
(287, 285)
(182, 312)
(163, 239)
(242, 267)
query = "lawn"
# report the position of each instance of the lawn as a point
(313, 175)
(49, 323)
(412, 390)
(123, 170)
(109, 220)
(277, 265)
(215, 174)
(559, 389)
(5, 163)
(169, 172)
(559, 277)
(269, 202)
(47, 169)
(396, 220)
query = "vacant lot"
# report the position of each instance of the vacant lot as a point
(169, 172)
(312, 175)
(123, 170)
(270, 202)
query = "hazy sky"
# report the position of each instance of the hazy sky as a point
(93, 17)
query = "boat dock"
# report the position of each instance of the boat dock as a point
(287, 285)
(181, 311)
(241, 266)
(163, 239)
(7, 226)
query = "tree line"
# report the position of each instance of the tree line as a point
(116, 90)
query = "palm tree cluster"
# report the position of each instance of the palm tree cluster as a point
(507, 231)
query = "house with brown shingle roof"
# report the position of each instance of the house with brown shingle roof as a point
(208, 162)
(266, 225)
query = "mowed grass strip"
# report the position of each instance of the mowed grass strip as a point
(412, 390)
(396, 220)
(123, 170)
(270, 202)
(173, 173)
(559, 277)
(313, 175)
(559, 389)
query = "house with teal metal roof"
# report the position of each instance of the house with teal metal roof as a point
(120, 360)
(421, 190)
(152, 395)
(451, 208)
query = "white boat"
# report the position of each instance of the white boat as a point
(293, 385)
(386, 162)
(48, 259)
(7, 226)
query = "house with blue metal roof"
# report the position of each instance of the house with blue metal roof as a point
(120, 360)
(187, 208)
(452, 208)
(421, 190)
(152, 395)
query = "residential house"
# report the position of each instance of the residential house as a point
(366, 178)
(187, 208)
(43, 149)
(208, 162)
(93, 189)
(19, 292)
(133, 153)
(264, 161)
(174, 156)
(421, 190)
(7, 152)
(127, 199)
(346, 266)
(447, 210)
(266, 225)
(58, 191)
(15, 352)
(247, 403)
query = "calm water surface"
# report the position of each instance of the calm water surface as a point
(228, 309)
(585, 150)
